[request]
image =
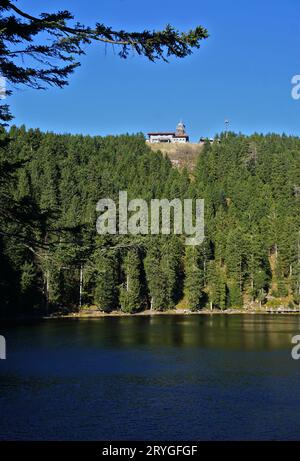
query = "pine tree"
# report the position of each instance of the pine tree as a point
(106, 295)
(193, 282)
(130, 293)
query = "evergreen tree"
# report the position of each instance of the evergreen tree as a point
(194, 282)
(131, 291)
(52, 257)
(106, 282)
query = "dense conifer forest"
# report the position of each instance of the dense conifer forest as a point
(53, 260)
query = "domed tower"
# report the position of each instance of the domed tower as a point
(180, 129)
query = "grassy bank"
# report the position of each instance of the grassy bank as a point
(95, 313)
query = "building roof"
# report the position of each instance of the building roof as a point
(169, 134)
(162, 133)
(180, 132)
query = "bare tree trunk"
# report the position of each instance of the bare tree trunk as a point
(252, 287)
(241, 282)
(260, 301)
(47, 291)
(80, 286)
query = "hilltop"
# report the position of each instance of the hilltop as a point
(181, 155)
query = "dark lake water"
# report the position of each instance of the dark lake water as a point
(167, 377)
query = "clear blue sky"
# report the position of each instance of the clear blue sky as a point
(242, 72)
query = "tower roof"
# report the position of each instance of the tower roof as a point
(180, 128)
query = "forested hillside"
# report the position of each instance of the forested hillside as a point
(52, 258)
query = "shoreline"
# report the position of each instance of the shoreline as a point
(174, 312)
(94, 314)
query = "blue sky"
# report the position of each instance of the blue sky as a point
(242, 72)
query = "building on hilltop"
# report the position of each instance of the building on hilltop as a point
(179, 136)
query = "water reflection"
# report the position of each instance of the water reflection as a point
(236, 332)
(151, 378)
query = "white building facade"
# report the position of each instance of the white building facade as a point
(179, 136)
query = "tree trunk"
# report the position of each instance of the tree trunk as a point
(47, 292)
(80, 286)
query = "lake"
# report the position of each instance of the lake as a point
(221, 377)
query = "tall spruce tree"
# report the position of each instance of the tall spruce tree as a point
(131, 290)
